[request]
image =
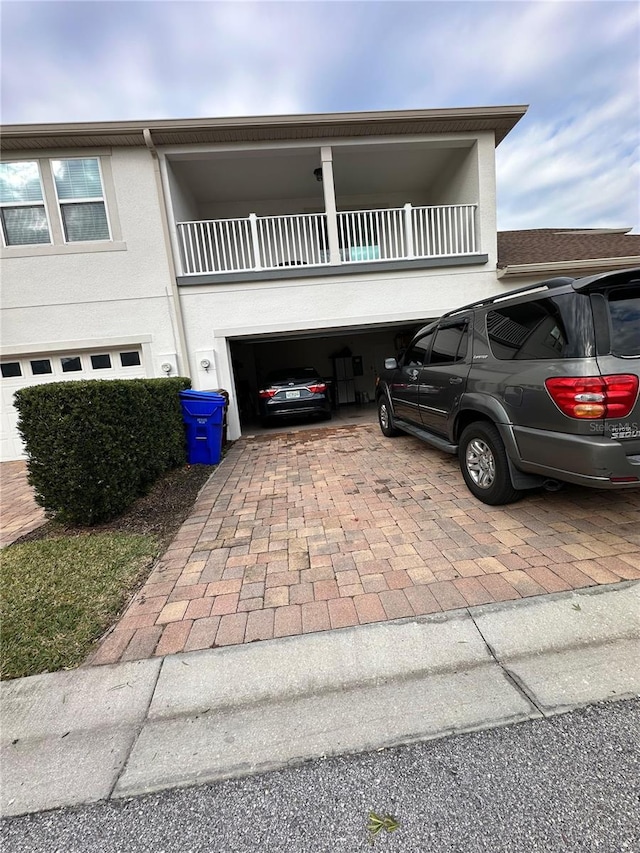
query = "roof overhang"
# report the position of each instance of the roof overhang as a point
(29, 137)
(557, 267)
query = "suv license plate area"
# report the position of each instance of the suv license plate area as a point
(292, 395)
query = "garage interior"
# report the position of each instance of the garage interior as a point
(349, 359)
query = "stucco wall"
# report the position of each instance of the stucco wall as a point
(97, 295)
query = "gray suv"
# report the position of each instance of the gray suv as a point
(533, 388)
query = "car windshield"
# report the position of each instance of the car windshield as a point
(297, 375)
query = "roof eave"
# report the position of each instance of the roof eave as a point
(553, 267)
(500, 119)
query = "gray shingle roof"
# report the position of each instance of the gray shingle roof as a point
(549, 245)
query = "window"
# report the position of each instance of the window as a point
(624, 310)
(22, 208)
(41, 366)
(450, 345)
(71, 363)
(416, 353)
(129, 359)
(30, 192)
(82, 207)
(101, 362)
(11, 369)
(531, 330)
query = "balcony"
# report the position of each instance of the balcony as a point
(263, 243)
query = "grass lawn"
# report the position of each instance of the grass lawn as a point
(63, 586)
(60, 595)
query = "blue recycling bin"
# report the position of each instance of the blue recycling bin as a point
(203, 416)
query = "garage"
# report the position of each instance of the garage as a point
(349, 359)
(40, 368)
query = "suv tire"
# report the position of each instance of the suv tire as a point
(484, 465)
(385, 419)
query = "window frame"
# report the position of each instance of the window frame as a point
(59, 245)
(60, 202)
(13, 205)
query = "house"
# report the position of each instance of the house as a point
(223, 248)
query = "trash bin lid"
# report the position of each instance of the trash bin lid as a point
(212, 396)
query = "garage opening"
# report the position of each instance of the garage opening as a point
(347, 359)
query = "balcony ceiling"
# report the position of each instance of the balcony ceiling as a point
(288, 174)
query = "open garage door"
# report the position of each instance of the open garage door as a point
(348, 359)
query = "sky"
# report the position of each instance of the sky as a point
(572, 161)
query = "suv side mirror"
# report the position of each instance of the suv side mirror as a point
(390, 364)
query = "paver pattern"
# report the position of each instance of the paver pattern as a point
(310, 531)
(19, 513)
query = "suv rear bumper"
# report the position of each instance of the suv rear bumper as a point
(585, 460)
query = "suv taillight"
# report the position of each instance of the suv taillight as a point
(317, 389)
(594, 396)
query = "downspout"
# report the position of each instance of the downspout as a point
(185, 369)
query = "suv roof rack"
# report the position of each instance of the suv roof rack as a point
(551, 283)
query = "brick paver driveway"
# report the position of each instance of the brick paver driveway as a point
(301, 532)
(19, 512)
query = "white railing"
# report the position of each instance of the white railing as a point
(218, 245)
(449, 230)
(286, 241)
(271, 242)
(372, 235)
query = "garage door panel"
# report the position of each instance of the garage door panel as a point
(68, 366)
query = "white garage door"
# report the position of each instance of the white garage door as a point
(22, 371)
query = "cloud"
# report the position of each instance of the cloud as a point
(570, 161)
(579, 170)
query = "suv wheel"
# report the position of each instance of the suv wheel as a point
(483, 461)
(385, 419)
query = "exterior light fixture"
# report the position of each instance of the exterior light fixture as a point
(318, 173)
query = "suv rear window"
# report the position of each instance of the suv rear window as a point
(624, 311)
(552, 328)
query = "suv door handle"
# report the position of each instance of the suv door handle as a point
(455, 380)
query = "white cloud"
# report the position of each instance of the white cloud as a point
(579, 171)
(571, 160)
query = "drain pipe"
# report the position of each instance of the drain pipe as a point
(175, 294)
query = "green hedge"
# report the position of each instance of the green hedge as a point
(94, 446)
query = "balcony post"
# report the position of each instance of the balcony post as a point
(408, 230)
(255, 242)
(326, 157)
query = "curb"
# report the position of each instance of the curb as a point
(126, 729)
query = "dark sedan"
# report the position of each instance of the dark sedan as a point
(293, 392)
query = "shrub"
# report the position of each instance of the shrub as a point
(94, 446)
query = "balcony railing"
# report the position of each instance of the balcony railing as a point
(272, 242)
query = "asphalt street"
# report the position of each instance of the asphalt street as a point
(566, 783)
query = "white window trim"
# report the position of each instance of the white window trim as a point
(15, 204)
(58, 245)
(60, 202)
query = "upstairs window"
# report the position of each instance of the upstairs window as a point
(80, 197)
(22, 208)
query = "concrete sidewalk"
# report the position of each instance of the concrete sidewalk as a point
(126, 729)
